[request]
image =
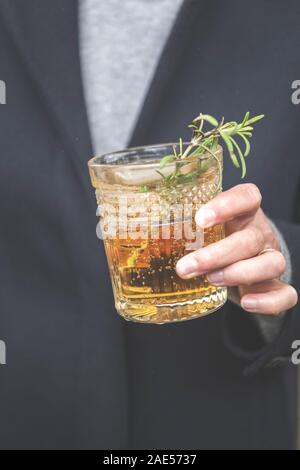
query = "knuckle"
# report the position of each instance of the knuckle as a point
(247, 278)
(273, 307)
(253, 194)
(203, 258)
(294, 296)
(229, 276)
(195, 257)
(236, 276)
(209, 256)
(254, 240)
(280, 264)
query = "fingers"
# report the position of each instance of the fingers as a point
(269, 298)
(270, 265)
(233, 261)
(237, 201)
(238, 246)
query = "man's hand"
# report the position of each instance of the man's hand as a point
(236, 260)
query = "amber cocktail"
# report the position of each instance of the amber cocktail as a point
(147, 225)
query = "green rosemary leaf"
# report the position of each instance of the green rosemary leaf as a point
(249, 134)
(246, 117)
(255, 119)
(188, 178)
(231, 130)
(143, 189)
(167, 159)
(170, 178)
(214, 144)
(230, 150)
(234, 160)
(180, 146)
(247, 144)
(244, 169)
(240, 153)
(247, 128)
(175, 152)
(161, 174)
(207, 141)
(227, 141)
(206, 117)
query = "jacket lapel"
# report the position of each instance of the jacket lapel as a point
(166, 70)
(56, 74)
(52, 27)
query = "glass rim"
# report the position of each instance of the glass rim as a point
(95, 162)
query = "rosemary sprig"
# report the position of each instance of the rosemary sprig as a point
(207, 141)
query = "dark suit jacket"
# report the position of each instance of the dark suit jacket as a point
(77, 375)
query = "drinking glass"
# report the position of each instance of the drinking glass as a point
(147, 224)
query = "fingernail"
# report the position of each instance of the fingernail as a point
(249, 304)
(216, 277)
(187, 266)
(205, 217)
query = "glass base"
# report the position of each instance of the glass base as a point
(172, 312)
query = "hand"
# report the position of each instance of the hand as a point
(234, 261)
